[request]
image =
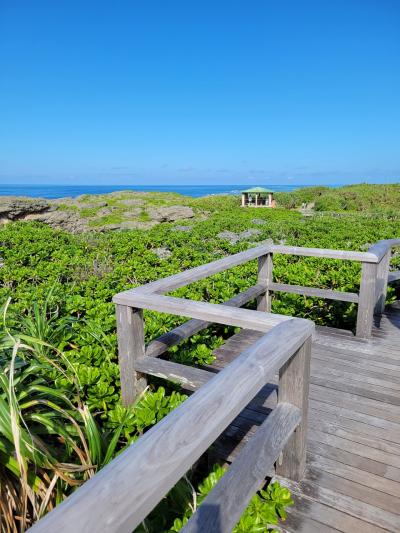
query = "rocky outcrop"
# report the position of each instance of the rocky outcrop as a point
(66, 220)
(16, 207)
(120, 210)
(170, 213)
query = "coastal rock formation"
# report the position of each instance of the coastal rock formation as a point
(120, 210)
(15, 207)
(65, 220)
(170, 213)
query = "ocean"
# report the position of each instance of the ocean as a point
(61, 191)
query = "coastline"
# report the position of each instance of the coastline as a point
(72, 191)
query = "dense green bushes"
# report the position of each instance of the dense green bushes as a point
(362, 197)
(62, 321)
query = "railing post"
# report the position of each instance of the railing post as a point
(367, 300)
(294, 381)
(265, 266)
(382, 282)
(130, 332)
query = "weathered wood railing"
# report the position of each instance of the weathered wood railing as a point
(121, 495)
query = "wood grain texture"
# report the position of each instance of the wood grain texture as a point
(265, 268)
(189, 377)
(294, 379)
(352, 474)
(121, 495)
(220, 314)
(224, 505)
(317, 293)
(130, 332)
(366, 257)
(367, 300)
(191, 327)
(369, 513)
(380, 249)
(382, 282)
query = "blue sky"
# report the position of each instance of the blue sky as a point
(185, 92)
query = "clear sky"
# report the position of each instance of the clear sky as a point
(199, 91)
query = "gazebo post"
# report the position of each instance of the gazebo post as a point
(270, 199)
(243, 199)
(256, 200)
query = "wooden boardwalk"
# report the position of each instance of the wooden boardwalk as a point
(352, 480)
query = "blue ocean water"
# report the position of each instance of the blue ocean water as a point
(61, 191)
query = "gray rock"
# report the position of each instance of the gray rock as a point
(248, 233)
(259, 221)
(162, 253)
(16, 208)
(65, 220)
(182, 228)
(170, 213)
(228, 236)
(233, 238)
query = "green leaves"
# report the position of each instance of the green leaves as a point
(266, 509)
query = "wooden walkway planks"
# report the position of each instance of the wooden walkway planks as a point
(352, 481)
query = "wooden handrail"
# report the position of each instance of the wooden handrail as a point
(187, 277)
(121, 495)
(370, 300)
(191, 327)
(344, 255)
(222, 508)
(316, 293)
(217, 313)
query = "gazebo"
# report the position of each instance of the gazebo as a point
(258, 197)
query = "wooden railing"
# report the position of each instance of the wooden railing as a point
(121, 495)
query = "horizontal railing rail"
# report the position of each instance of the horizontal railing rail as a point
(191, 327)
(122, 494)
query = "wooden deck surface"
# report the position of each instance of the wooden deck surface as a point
(352, 481)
